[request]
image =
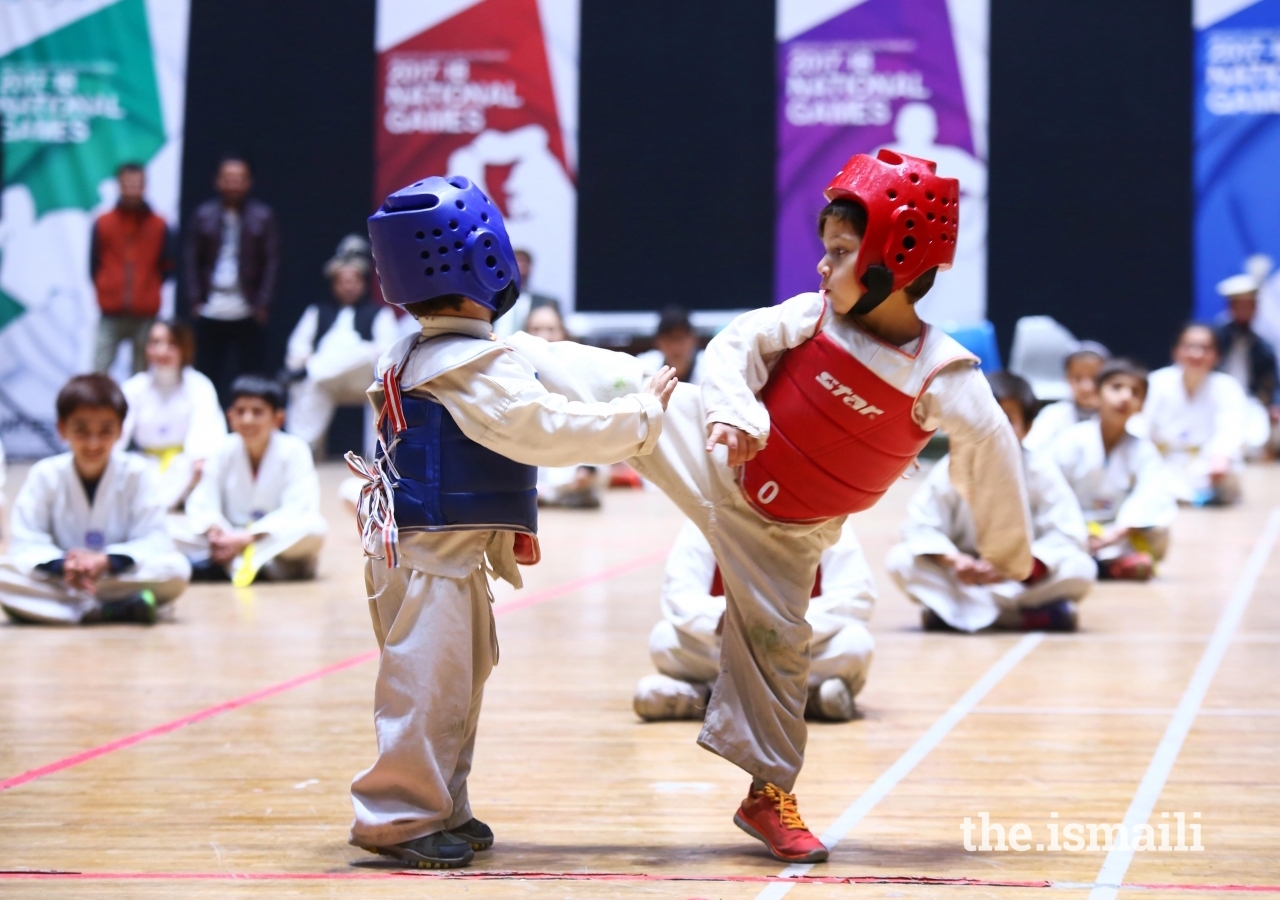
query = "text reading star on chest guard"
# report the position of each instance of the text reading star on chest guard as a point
(850, 398)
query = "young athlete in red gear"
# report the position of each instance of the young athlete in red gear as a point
(808, 411)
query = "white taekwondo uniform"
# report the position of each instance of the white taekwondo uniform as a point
(1190, 430)
(178, 424)
(940, 522)
(1132, 486)
(756, 715)
(281, 503)
(685, 643)
(338, 366)
(431, 614)
(52, 514)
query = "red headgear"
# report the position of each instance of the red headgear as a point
(912, 219)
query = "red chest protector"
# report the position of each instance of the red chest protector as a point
(840, 436)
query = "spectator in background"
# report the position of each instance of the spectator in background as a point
(174, 416)
(232, 259)
(1081, 368)
(1250, 359)
(335, 344)
(675, 345)
(545, 321)
(129, 259)
(525, 303)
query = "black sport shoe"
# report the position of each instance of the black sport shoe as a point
(931, 621)
(139, 607)
(475, 833)
(441, 850)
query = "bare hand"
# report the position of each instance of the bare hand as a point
(662, 384)
(742, 446)
(1112, 535)
(81, 569)
(224, 546)
(970, 570)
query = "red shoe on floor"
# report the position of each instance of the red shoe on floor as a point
(1130, 567)
(770, 815)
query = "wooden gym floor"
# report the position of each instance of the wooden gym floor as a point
(210, 757)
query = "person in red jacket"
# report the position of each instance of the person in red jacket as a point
(129, 260)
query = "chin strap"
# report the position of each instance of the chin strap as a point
(878, 281)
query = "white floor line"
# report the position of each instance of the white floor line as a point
(1114, 867)
(891, 776)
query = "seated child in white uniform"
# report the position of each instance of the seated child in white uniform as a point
(334, 345)
(938, 564)
(1081, 368)
(685, 644)
(174, 415)
(256, 511)
(1123, 485)
(88, 532)
(1197, 418)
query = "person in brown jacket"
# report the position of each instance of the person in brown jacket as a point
(231, 261)
(129, 260)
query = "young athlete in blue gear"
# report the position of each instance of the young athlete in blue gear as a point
(452, 498)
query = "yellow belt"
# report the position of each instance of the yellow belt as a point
(166, 455)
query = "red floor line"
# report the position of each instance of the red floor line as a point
(924, 880)
(284, 686)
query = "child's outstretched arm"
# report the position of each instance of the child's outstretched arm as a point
(986, 465)
(736, 367)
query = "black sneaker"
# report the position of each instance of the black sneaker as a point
(931, 621)
(475, 833)
(208, 570)
(441, 850)
(139, 607)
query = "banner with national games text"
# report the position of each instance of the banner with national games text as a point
(85, 85)
(858, 75)
(487, 89)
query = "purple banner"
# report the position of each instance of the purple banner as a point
(883, 74)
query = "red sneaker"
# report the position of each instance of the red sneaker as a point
(770, 815)
(1130, 567)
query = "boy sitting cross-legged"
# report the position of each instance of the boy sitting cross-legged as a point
(256, 511)
(939, 566)
(89, 542)
(1125, 489)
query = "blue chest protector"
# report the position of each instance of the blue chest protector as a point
(448, 482)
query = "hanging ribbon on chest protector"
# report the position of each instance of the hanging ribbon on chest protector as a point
(376, 511)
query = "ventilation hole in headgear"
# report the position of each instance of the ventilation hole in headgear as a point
(474, 229)
(444, 268)
(457, 245)
(928, 195)
(909, 242)
(419, 235)
(416, 183)
(911, 204)
(945, 201)
(491, 260)
(911, 223)
(460, 183)
(484, 217)
(444, 250)
(437, 232)
(944, 220)
(453, 223)
(466, 268)
(893, 195)
(429, 271)
(425, 253)
(929, 216)
(943, 236)
(915, 179)
(502, 274)
(900, 257)
(459, 204)
(487, 243)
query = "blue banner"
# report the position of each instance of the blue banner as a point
(1237, 152)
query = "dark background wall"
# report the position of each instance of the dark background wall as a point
(675, 200)
(1090, 152)
(1091, 196)
(291, 86)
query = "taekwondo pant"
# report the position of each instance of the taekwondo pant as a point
(439, 644)
(288, 555)
(755, 718)
(845, 654)
(312, 403)
(35, 598)
(970, 607)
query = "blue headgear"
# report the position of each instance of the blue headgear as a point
(443, 236)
